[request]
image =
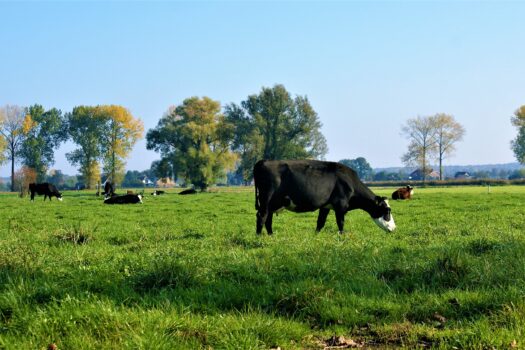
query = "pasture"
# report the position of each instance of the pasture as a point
(182, 272)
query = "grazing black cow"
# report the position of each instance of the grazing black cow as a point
(403, 193)
(188, 191)
(109, 191)
(157, 193)
(308, 185)
(46, 189)
(124, 199)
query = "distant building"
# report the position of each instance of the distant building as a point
(418, 174)
(462, 175)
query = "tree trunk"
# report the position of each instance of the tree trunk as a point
(12, 173)
(440, 167)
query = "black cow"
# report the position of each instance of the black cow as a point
(124, 199)
(109, 191)
(157, 193)
(188, 191)
(46, 189)
(308, 185)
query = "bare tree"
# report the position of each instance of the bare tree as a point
(448, 132)
(421, 133)
(11, 128)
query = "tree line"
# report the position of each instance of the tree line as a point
(200, 142)
(197, 140)
(104, 136)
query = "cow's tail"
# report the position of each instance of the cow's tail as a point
(257, 202)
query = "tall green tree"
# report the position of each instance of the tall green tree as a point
(361, 167)
(448, 133)
(518, 144)
(86, 127)
(422, 135)
(195, 138)
(273, 125)
(44, 131)
(123, 130)
(11, 129)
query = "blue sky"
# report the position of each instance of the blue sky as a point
(366, 67)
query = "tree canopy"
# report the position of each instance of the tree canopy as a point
(121, 134)
(448, 132)
(361, 166)
(85, 127)
(195, 139)
(11, 129)
(518, 144)
(273, 125)
(43, 131)
(422, 135)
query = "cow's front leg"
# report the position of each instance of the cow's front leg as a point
(340, 219)
(268, 223)
(45, 195)
(321, 219)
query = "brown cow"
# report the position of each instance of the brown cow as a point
(403, 193)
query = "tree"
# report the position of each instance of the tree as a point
(43, 131)
(11, 128)
(273, 125)
(361, 167)
(23, 177)
(162, 168)
(122, 132)
(422, 135)
(85, 127)
(57, 178)
(518, 144)
(448, 132)
(195, 139)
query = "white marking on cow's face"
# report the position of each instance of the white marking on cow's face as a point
(140, 198)
(388, 226)
(59, 198)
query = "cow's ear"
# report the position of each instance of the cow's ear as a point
(378, 199)
(384, 198)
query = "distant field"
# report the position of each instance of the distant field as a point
(183, 272)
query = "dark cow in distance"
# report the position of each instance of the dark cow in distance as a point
(157, 193)
(124, 199)
(46, 189)
(109, 191)
(188, 191)
(308, 185)
(403, 193)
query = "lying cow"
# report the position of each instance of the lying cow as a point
(188, 191)
(46, 189)
(124, 199)
(403, 193)
(157, 193)
(308, 185)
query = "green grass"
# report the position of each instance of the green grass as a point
(183, 272)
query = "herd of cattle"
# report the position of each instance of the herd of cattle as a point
(295, 185)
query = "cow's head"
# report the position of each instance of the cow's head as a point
(59, 196)
(140, 198)
(382, 215)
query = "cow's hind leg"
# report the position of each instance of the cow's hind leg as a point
(268, 223)
(262, 214)
(321, 219)
(263, 211)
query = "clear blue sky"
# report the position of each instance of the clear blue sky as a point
(365, 67)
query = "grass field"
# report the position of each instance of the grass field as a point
(182, 272)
